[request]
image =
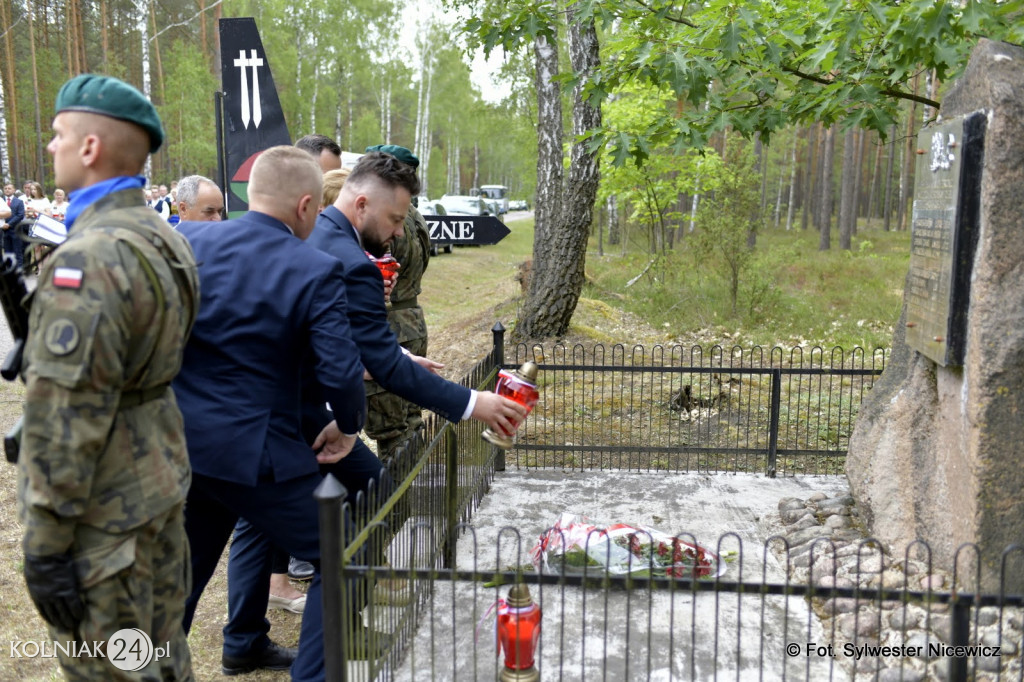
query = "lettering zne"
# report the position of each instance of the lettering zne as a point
(451, 230)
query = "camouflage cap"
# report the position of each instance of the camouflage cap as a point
(109, 96)
(400, 153)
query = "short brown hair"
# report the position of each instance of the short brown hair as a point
(386, 169)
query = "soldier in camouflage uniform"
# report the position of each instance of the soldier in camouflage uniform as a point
(391, 420)
(104, 470)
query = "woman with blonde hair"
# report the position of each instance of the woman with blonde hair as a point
(333, 181)
(60, 204)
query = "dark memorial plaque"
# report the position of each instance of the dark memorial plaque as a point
(947, 198)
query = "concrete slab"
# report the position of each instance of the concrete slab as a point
(642, 635)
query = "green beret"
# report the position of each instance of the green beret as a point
(400, 153)
(109, 96)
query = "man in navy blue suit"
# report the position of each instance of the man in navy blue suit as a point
(369, 213)
(269, 304)
(12, 244)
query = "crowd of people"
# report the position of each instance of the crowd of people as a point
(192, 383)
(26, 205)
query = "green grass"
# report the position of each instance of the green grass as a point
(792, 294)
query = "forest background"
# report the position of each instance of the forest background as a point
(693, 127)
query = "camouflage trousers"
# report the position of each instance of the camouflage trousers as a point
(391, 420)
(133, 580)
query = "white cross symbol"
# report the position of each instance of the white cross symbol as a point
(257, 111)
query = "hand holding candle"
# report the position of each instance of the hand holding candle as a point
(389, 268)
(521, 387)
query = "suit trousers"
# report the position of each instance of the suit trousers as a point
(250, 560)
(283, 512)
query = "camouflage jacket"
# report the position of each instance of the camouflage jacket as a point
(412, 251)
(103, 445)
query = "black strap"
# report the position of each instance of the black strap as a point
(143, 395)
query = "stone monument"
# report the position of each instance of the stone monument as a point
(937, 453)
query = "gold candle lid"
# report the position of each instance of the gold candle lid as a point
(519, 595)
(528, 371)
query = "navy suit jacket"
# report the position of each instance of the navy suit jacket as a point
(17, 211)
(378, 345)
(269, 304)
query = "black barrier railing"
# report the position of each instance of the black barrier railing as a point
(599, 409)
(777, 624)
(691, 409)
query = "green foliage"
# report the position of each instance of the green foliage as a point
(186, 114)
(728, 214)
(651, 188)
(791, 293)
(756, 67)
(337, 67)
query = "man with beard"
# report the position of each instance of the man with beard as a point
(368, 214)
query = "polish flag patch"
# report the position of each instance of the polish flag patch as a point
(67, 278)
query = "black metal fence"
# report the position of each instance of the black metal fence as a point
(405, 600)
(693, 409)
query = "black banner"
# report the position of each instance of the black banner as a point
(251, 118)
(465, 229)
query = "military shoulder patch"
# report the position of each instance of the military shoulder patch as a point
(62, 336)
(67, 278)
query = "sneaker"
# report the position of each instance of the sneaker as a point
(274, 657)
(297, 605)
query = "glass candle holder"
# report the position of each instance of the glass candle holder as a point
(387, 265)
(518, 635)
(520, 386)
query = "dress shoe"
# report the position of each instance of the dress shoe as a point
(360, 646)
(299, 569)
(274, 657)
(297, 605)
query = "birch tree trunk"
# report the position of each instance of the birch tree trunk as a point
(549, 139)
(559, 247)
(613, 220)
(427, 145)
(316, 84)
(906, 193)
(140, 8)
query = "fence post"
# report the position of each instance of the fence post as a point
(330, 496)
(961, 632)
(498, 353)
(773, 422)
(451, 485)
(498, 343)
